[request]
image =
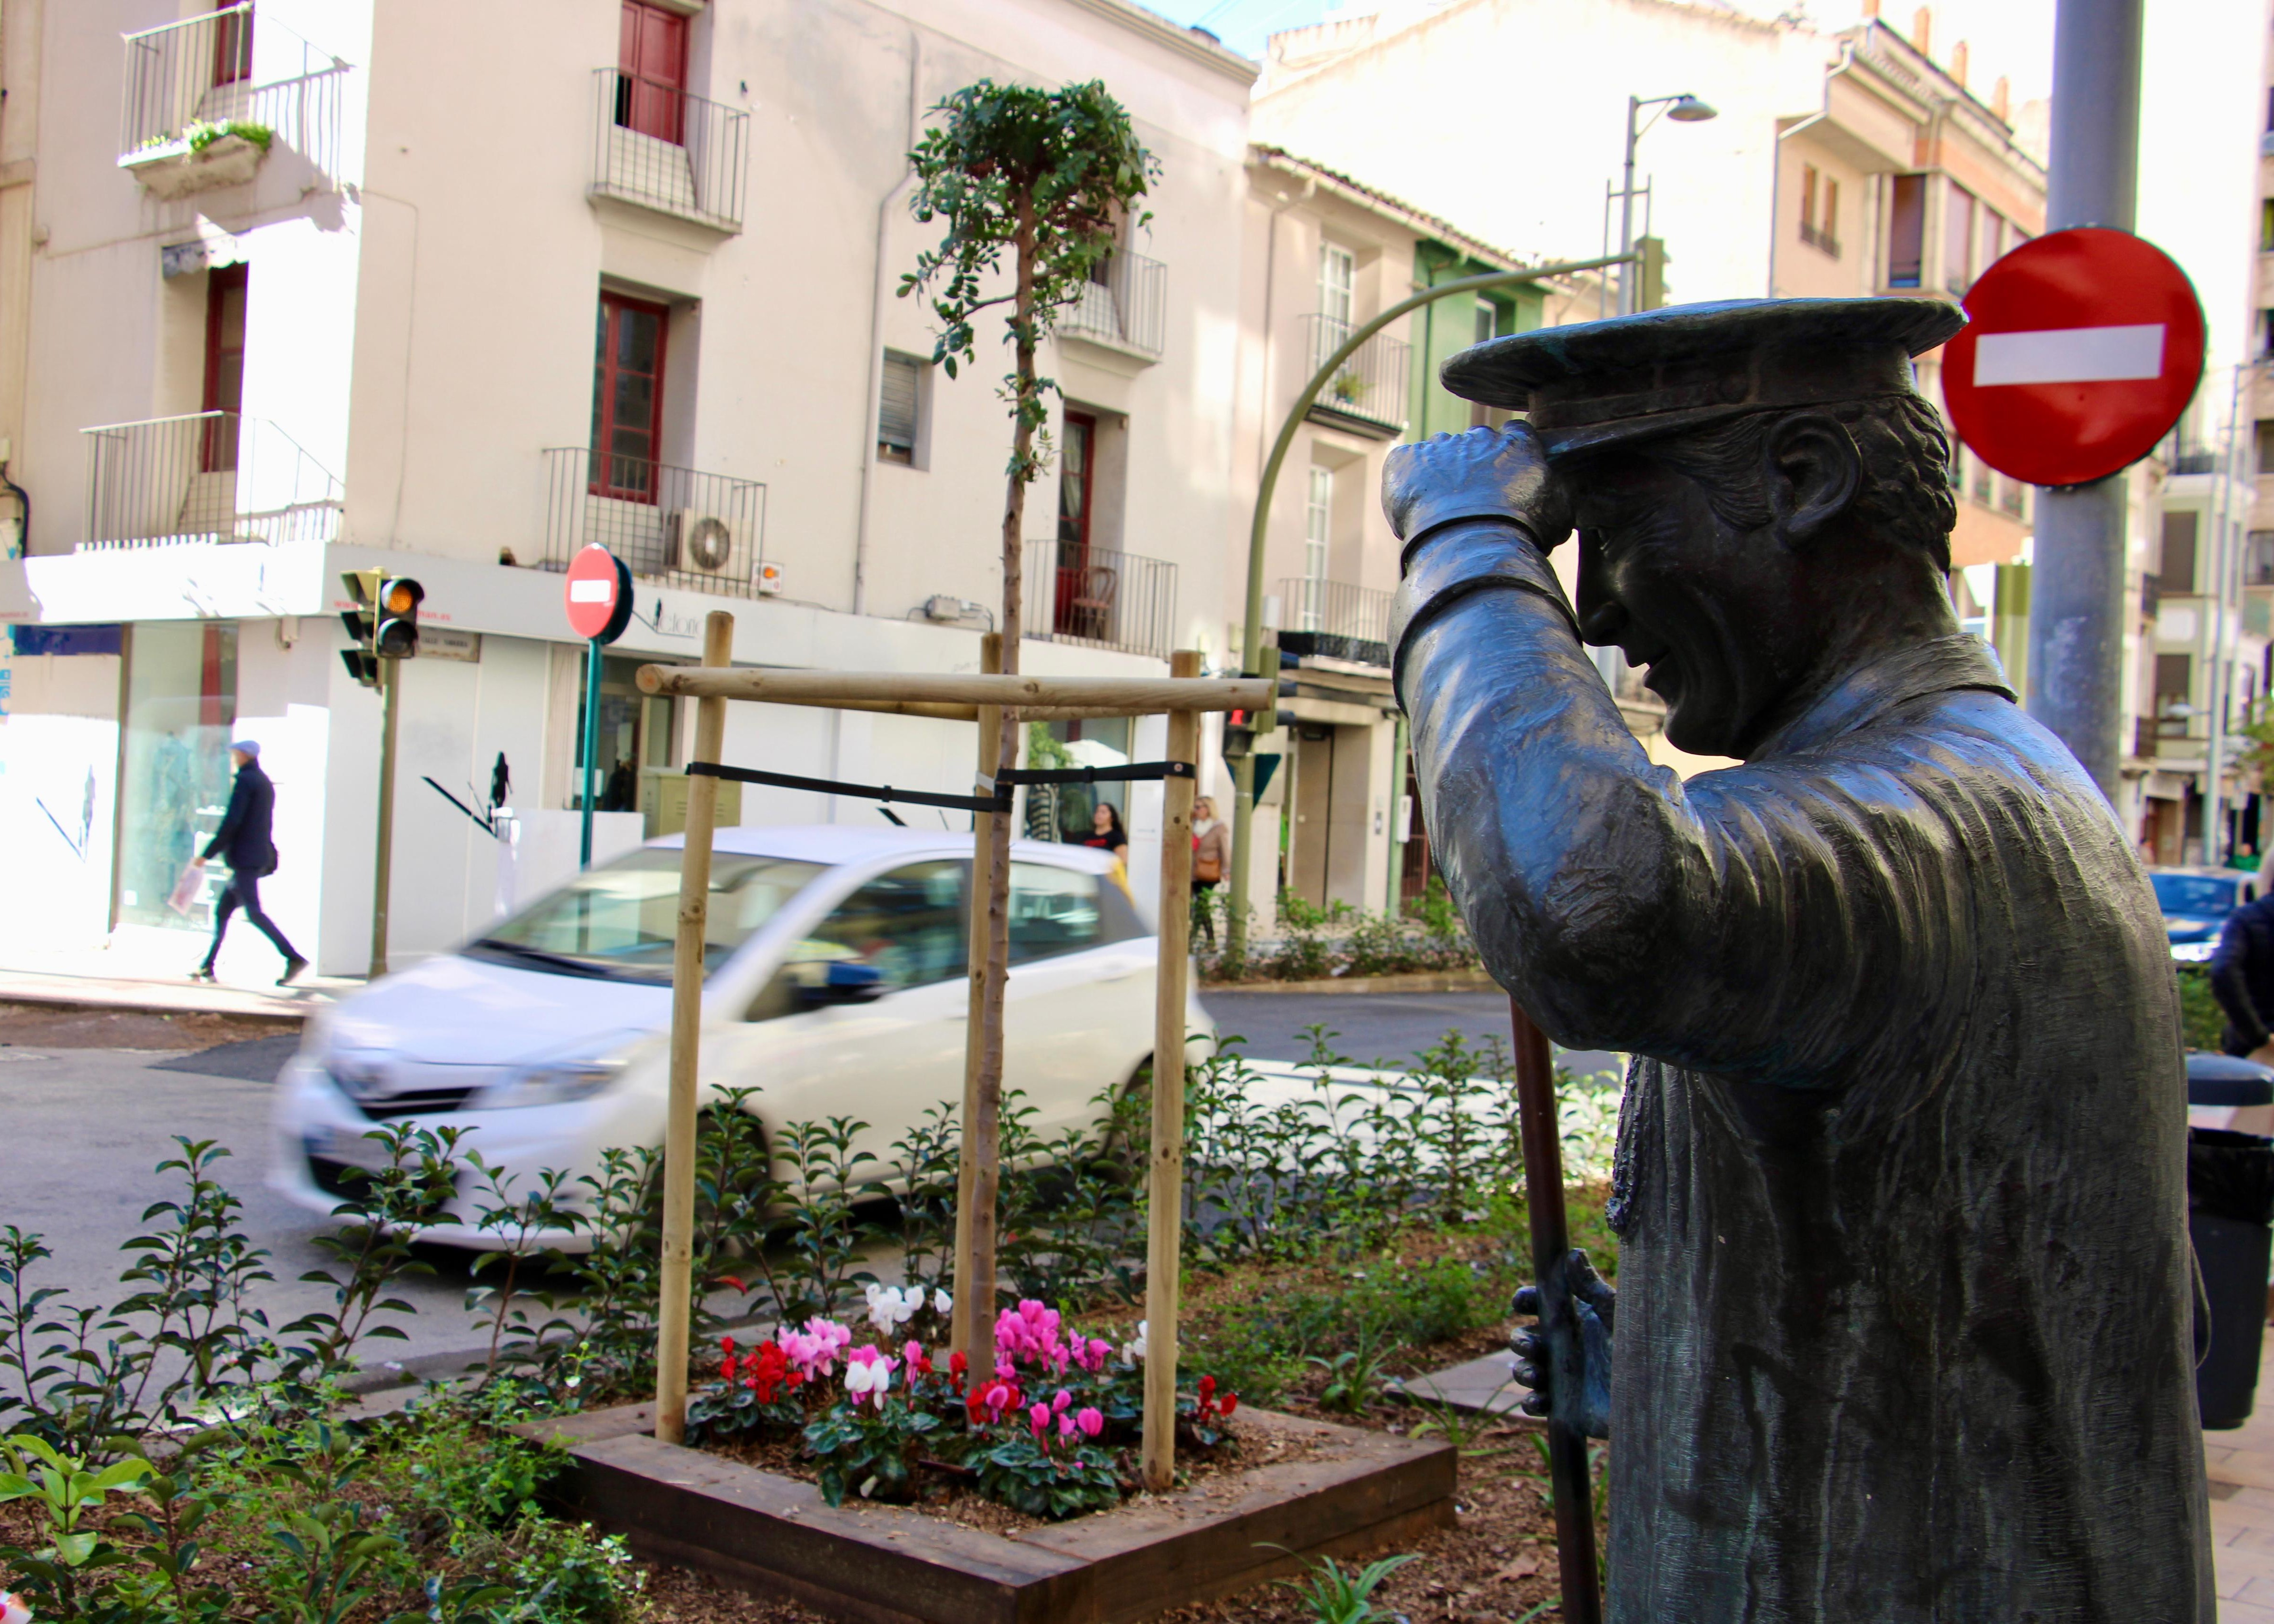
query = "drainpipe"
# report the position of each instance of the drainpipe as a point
(880, 298)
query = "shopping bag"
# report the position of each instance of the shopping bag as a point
(185, 891)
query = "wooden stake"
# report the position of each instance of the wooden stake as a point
(967, 1320)
(1164, 1237)
(678, 1292)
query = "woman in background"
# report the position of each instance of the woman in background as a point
(1211, 860)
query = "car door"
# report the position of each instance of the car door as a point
(884, 1054)
(1077, 1011)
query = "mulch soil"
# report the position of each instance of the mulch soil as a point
(68, 1026)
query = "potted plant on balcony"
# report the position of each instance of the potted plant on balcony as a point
(1348, 388)
(205, 155)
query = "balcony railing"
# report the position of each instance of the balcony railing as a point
(1333, 619)
(210, 477)
(1819, 236)
(1125, 303)
(656, 146)
(1100, 597)
(703, 531)
(218, 69)
(1368, 391)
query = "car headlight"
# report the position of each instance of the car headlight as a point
(558, 1080)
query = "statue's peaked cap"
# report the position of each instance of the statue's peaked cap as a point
(1601, 383)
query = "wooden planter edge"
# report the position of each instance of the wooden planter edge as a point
(891, 1565)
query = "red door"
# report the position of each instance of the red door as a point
(651, 53)
(232, 44)
(224, 383)
(628, 398)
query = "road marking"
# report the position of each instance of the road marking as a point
(2070, 354)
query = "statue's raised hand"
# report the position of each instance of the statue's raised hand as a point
(1583, 1358)
(1483, 474)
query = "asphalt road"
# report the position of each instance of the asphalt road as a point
(1370, 1026)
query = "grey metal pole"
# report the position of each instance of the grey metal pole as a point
(2077, 606)
(390, 676)
(1626, 213)
(2224, 557)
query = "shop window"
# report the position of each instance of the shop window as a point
(1906, 230)
(639, 737)
(181, 712)
(628, 398)
(1067, 813)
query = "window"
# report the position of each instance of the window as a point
(1318, 535)
(636, 732)
(1807, 202)
(1488, 326)
(224, 378)
(2265, 333)
(2258, 559)
(1993, 237)
(896, 408)
(1053, 911)
(1337, 283)
(1906, 230)
(907, 926)
(651, 80)
(1819, 210)
(2174, 680)
(1076, 490)
(619, 920)
(628, 398)
(1957, 237)
(232, 44)
(2177, 572)
(175, 769)
(2266, 225)
(1981, 470)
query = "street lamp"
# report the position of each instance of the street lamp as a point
(1683, 110)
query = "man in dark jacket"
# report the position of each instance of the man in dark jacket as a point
(2243, 975)
(243, 842)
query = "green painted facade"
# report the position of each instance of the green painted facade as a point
(1446, 327)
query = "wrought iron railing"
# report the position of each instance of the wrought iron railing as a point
(1333, 619)
(1126, 303)
(217, 68)
(703, 531)
(1371, 387)
(209, 476)
(656, 146)
(1097, 595)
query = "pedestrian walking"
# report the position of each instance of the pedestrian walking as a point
(245, 842)
(1105, 832)
(2242, 976)
(1211, 855)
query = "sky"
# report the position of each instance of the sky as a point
(2200, 119)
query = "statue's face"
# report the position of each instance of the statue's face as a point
(1716, 613)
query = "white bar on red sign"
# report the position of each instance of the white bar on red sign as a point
(2070, 354)
(590, 591)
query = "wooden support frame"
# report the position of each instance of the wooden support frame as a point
(1184, 695)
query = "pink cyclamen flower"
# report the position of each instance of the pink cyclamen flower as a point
(1039, 1418)
(1061, 1400)
(1091, 1420)
(1066, 1426)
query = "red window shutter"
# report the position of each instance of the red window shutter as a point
(652, 47)
(628, 398)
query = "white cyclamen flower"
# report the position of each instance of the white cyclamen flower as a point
(1133, 1350)
(941, 1301)
(864, 1380)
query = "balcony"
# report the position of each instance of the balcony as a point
(209, 98)
(704, 532)
(1125, 307)
(658, 147)
(213, 477)
(1334, 620)
(1099, 598)
(1368, 391)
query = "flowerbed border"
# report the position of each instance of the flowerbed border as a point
(775, 1534)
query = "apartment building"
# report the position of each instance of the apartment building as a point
(287, 291)
(1324, 253)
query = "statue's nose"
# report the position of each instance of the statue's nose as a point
(1601, 622)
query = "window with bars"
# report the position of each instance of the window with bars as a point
(1337, 283)
(1318, 538)
(898, 406)
(628, 398)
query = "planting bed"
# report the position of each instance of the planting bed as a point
(1347, 1490)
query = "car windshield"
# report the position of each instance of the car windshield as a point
(2192, 893)
(617, 920)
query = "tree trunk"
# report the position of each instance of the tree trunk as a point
(976, 1283)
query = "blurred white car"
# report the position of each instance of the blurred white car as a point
(837, 985)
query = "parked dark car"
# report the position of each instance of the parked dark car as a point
(2195, 904)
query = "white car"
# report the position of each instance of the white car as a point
(837, 986)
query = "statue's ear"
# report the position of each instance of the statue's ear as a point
(1813, 473)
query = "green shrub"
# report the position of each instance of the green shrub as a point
(2203, 1024)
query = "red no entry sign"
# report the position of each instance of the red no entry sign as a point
(2083, 349)
(599, 594)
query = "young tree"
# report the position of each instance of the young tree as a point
(1048, 175)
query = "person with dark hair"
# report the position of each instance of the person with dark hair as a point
(245, 842)
(1904, 1311)
(1105, 830)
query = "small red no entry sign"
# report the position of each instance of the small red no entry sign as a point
(2083, 349)
(599, 594)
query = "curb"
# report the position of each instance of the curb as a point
(64, 993)
(1454, 981)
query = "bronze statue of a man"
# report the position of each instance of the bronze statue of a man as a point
(1904, 1319)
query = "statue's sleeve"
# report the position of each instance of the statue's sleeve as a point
(1765, 918)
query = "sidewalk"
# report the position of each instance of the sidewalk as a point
(149, 969)
(2241, 1468)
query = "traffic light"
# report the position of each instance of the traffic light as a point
(361, 657)
(398, 598)
(384, 623)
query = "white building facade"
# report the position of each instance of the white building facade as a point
(289, 294)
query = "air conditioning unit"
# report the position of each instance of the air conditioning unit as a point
(704, 544)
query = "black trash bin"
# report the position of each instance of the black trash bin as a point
(2229, 1208)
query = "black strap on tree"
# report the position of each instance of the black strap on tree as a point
(998, 802)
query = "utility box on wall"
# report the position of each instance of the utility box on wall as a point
(663, 802)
